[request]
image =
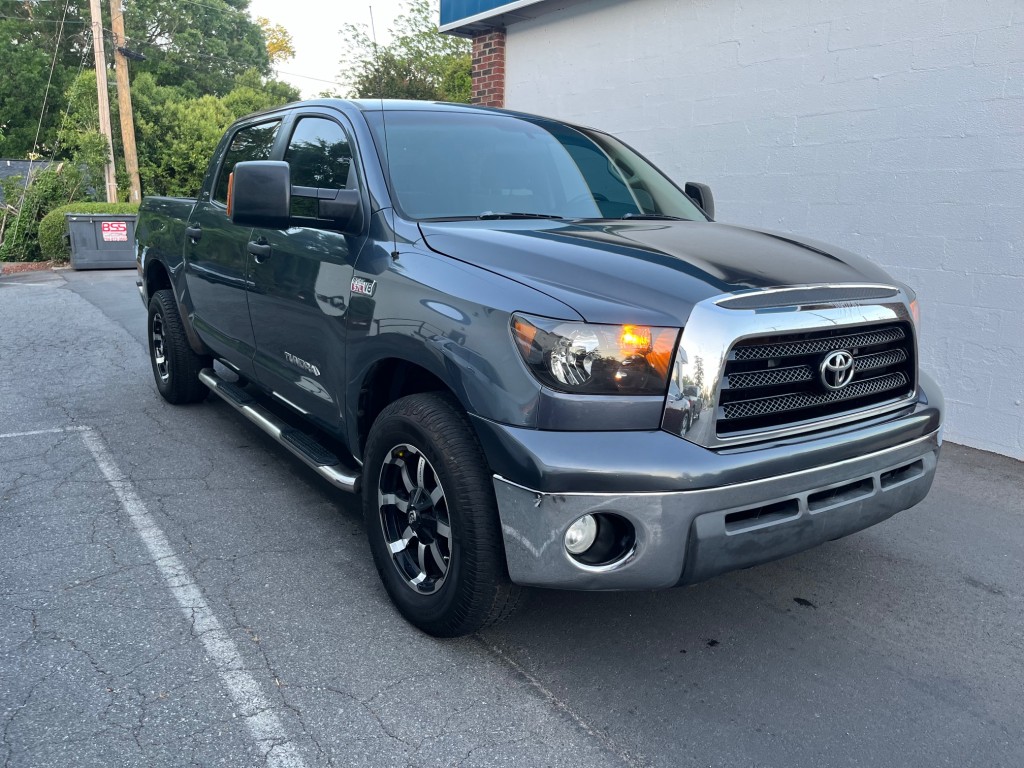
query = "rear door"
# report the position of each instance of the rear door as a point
(300, 281)
(216, 254)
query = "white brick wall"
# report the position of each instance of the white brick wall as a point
(894, 129)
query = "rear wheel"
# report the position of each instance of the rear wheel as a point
(432, 520)
(176, 366)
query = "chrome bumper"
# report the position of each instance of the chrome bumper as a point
(688, 536)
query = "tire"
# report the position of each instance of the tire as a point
(432, 520)
(176, 366)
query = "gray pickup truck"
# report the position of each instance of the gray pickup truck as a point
(540, 361)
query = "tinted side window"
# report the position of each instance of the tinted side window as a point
(319, 154)
(251, 143)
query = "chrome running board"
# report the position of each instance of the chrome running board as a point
(305, 448)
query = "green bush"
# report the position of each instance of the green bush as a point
(49, 187)
(53, 227)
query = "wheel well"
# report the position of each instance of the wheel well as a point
(156, 278)
(386, 382)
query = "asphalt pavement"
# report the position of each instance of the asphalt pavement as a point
(177, 590)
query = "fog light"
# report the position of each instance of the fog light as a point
(581, 535)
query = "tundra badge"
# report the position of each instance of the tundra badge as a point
(298, 362)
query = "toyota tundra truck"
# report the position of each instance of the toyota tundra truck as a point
(540, 361)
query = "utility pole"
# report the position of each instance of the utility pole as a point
(124, 102)
(102, 97)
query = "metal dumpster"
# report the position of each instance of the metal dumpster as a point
(101, 240)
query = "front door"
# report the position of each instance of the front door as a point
(216, 255)
(300, 282)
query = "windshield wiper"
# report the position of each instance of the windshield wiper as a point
(486, 215)
(664, 216)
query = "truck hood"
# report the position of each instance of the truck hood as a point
(650, 272)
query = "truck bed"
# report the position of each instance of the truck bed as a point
(161, 227)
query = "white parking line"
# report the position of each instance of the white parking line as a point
(265, 727)
(55, 431)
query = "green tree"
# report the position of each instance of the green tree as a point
(418, 63)
(198, 48)
(206, 65)
(48, 188)
(78, 133)
(30, 34)
(177, 134)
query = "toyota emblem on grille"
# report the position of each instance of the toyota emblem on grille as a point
(837, 369)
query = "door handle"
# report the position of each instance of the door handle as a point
(260, 250)
(194, 233)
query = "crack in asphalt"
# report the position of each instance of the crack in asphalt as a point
(558, 704)
(175, 476)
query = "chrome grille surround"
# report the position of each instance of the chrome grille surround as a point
(715, 327)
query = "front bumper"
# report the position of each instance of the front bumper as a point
(714, 512)
(684, 537)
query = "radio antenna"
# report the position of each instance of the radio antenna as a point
(384, 127)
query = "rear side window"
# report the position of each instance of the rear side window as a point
(319, 156)
(253, 142)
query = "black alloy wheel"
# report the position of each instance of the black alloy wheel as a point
(432, 519)
(414, 518)
(176, 366)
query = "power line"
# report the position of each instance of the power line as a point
(62, 22)
(184, 56)
(39, 126)
(307, 77)
(73, 92)
(226, 7)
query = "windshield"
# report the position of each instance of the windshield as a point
(459, 165)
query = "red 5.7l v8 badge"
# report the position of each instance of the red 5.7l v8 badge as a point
(363, 286)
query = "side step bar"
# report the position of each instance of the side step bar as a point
(308, 450)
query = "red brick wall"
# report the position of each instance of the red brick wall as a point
(489, 69)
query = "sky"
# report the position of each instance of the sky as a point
(314, 26)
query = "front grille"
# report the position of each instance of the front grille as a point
(774, 382)
(761, 351)
(748, 408)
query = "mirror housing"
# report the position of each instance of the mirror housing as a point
(335, 208)
(701, 195)
(260, 194)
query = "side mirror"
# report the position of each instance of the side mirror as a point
(701, 195)
(260, 194)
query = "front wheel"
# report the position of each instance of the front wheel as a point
(432, 519)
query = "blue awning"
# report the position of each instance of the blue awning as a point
(468, 16)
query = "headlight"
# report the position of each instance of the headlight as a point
(596, 359)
